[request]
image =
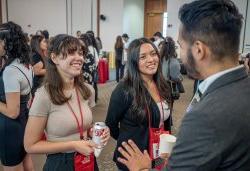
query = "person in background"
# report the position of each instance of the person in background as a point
(152, 39)
(99, 44)
(27, 38)
(247, 62)
(169, 60)
(46, 35)
(158, 39)
(15, 87)
(215, 131)
(89, 65)
(92, 48)
(38, 46)
(96, 42)
(78, 34)
(62, 107)
(143, 89)
(39, 32)
(119, 67)
(171, 68)
(125, 39)
(47, 38)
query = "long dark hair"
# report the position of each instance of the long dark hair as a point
(118, 42)
(92, 40)
(86, 40)
(35, 45)
(135, 84)
(16, 45)
(168, 49)
(63, 45)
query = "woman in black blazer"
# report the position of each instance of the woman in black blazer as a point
(142, 88)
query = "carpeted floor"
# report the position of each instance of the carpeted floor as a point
(99, 112)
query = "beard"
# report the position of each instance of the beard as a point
(191, 66)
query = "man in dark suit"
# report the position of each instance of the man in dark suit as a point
(215, 131)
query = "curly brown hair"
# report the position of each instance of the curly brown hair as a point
(16, 45)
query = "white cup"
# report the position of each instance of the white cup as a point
(97, 152)
(167, 143)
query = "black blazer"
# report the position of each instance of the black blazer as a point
(124, 127)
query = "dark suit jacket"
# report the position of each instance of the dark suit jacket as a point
(215, 134)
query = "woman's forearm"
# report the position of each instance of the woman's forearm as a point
(43, 147)
(40, 72)
(9, 112)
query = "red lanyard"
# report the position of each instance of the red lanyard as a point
(80, 127)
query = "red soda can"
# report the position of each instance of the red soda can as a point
(98, 130)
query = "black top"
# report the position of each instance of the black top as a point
(12, 150)
(38, 79)
(118, 53)
(89, 68)
(124, 126)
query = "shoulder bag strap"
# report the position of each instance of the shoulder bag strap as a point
(23, 74)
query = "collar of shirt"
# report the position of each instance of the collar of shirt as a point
(209, 80)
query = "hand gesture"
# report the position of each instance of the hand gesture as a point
(84, 147)
(134, 159)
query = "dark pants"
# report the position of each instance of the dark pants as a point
(119, 70)
(61, 162)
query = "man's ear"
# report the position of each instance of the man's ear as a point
(199, 50)
(54, 58)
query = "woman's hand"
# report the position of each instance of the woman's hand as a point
(84, 147)
(105, 136)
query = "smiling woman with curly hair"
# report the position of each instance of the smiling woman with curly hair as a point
(15, 88)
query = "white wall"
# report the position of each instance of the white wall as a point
(173, 20)
(173, 8)
(57, 16)
(112, 26)
(247, 32)
(242, 4)
(36, 14)
(68, 16)
(81, 15)
(133, 18)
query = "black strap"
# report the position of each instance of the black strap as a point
(24, 75)
(168, 75)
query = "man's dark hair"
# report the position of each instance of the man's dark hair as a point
(248, 55)
(158, 34)
(125, 35)
(217, 23)
(91, 32)
(45, 34)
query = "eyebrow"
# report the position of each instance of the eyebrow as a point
(146, 53)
